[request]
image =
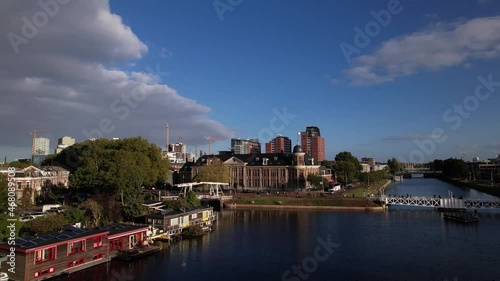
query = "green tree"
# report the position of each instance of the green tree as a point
(394, 165)
(213, 171)
(121, 167)
(192, 199)
(4, 194)
(19, 164)
(314, 180)
(347, 167)
(74, 215)
(43, 225)
(455, 168)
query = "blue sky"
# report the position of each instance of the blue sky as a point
(244, 64)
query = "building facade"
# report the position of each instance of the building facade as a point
(69, 250)
(35, 181)
(260, 171)
(313, 144)
(64, 142)
(245, 146)
(279, 144)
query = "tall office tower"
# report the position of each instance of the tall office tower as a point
(279, 144)
(313, 144)
(41, 150)
(245, 146)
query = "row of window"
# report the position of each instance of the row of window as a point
(48, 254)
(52, 269)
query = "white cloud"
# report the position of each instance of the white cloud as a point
(67, 77)
(440, 46)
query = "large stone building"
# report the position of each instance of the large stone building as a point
(313, 144)
(266, 171)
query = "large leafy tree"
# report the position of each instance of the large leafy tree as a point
(455, 168)
(346, 166)
(213, 171)
(394, 165)
(118, 167)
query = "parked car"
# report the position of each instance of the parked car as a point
(26, 218)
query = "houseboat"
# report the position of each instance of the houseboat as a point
(67, 251)
(171, 222)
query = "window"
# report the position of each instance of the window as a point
(28, 185)
(194, 216)
(76, 247)
(98, 256)
(19, 185)
(45, 271)
(44, 255)
(76, 262)
(115, 244)
(97, 241)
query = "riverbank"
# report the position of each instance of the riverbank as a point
(488, 189)
(323, 202)
(361, 191)
(295, 207)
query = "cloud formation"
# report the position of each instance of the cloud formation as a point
(440, 46)
(70, 75)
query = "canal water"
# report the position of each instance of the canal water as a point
(399, 244)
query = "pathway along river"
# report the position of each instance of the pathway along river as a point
(401, 244)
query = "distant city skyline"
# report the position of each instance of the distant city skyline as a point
(382, 79)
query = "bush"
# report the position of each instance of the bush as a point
(192, 231)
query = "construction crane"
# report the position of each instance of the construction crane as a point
(33, 144)
(463, 154)
(210, 139)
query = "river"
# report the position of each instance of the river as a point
(400, 244)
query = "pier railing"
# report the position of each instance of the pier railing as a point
(452, 203)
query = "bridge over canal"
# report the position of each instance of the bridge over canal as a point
(433, 202)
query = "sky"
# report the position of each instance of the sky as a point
(415, 80)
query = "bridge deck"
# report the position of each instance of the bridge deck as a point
(441, 202)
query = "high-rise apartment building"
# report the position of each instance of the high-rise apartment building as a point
(279, 144)
(245, 146)
(42, 146)
(313, 144)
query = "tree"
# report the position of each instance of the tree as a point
(192, 199)
(20, 165)
(213, 171)
(347, 167)
(96, 211)
(4, 194)
(394, 165)
(314, 180)
(455, 168)
(27, 198)
(74, 215)
(43, 225)
(121, 167)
